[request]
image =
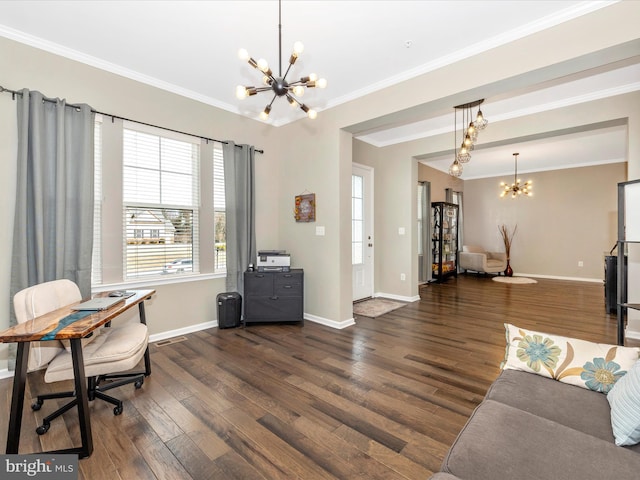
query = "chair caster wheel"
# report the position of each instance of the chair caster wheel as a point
(42, 429)
(138, 384)
(37, 406)
(117, 410)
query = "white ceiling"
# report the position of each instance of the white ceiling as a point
(190, 48)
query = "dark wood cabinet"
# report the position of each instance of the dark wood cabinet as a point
(274, 296)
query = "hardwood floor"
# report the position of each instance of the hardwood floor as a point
(383, 399)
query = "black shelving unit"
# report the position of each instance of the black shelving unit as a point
(622, 245)
(444, 243)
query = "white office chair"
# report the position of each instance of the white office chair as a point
(108, 351)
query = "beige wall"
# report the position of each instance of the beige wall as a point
(393, 254)
(434, 91)
(8, 153)
(312, 156)
(439, 181)
(394, 208)
(176, 306)
(570, 218)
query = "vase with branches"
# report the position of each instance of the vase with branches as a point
(507, 238)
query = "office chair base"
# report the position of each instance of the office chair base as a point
(46, 421)
(94, 390)
(41, 398)
(98, 390)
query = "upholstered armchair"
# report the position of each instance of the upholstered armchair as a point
(476, 259)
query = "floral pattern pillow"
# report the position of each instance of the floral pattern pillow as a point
(594, 366)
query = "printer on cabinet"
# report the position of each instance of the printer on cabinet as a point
(273, 261)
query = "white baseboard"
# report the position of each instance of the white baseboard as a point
(203, 326)
(400, 298)
(156, 337)
(330, 323)
(555, 277)
(5, 373)
(632, 334)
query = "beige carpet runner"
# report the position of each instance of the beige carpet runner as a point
(375, 307)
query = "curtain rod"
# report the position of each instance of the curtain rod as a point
(14, 93)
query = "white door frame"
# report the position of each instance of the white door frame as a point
(363, 276)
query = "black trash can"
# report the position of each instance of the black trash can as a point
(229, 309)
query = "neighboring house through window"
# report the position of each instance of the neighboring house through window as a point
(160, 192)
(161, 212)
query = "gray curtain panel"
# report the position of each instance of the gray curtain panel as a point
(53, 228)
(239, 183)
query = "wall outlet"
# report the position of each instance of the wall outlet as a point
(581, 263)
(403, 277)
(401, 231)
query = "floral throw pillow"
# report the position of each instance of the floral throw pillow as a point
(594, 366)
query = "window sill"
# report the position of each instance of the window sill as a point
(157, 281)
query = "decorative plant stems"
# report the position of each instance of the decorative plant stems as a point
(507, 238)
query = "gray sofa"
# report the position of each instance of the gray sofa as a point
(529, 427)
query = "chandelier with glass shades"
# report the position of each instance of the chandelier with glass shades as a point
(516, 188)
(279, 85)
(469, 134)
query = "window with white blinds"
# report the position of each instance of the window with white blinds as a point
(96, 260)
(160, 203)
(219, 208)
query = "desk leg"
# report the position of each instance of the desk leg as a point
(147, 358)
(17, 397)
(80, 385)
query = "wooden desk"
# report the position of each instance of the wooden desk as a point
(34, 330)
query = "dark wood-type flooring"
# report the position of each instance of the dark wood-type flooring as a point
(383, 399)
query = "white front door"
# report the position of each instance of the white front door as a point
(362, 230)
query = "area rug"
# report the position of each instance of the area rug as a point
(375, 307)
(519, 280)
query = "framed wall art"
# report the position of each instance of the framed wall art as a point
(305, 208)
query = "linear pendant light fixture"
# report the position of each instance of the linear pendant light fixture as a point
(516, 188)
(279, 84)
(469, 134)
